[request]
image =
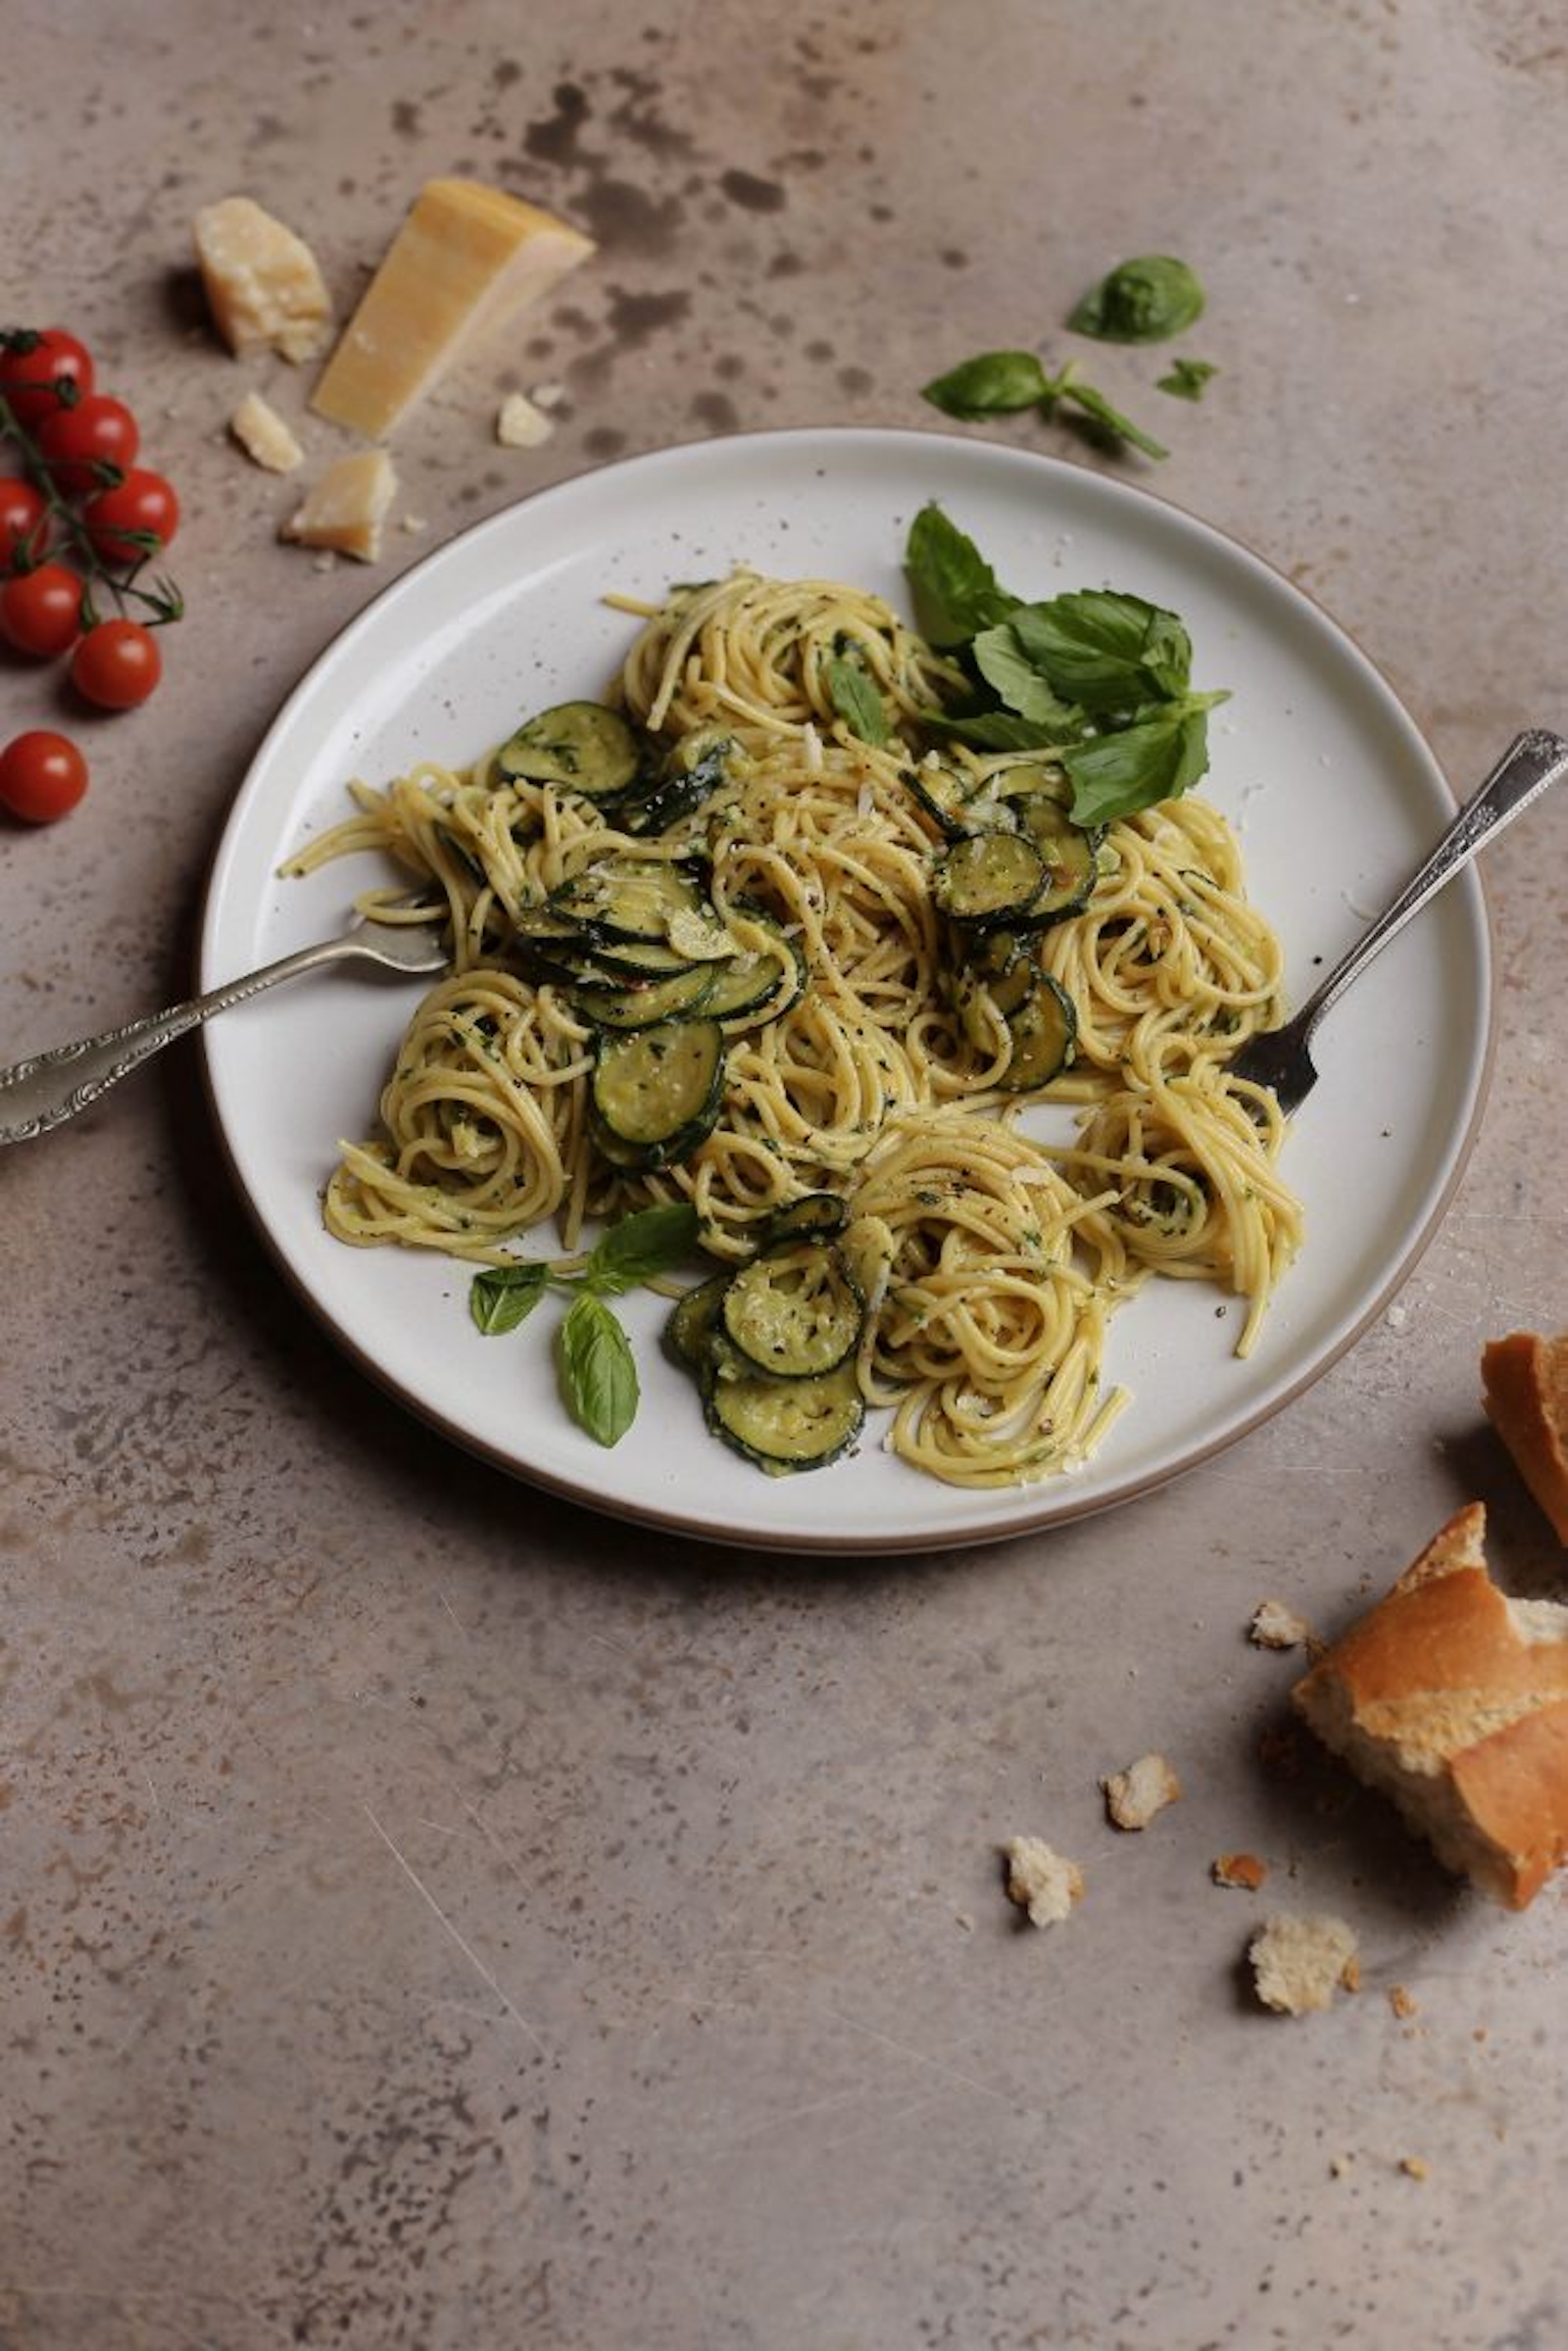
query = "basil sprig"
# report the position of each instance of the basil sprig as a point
(1001, 383)
(594, 1362)
(1101, 679)
(1147, 300)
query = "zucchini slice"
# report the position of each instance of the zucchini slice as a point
(946, 797)
(1068, 851)
(794, 1312)
(582, 745)
(815, 1216)
(785, 1425)
(642, 1004)
(632, 898)
(1043, 1029)
(656, 1091)
(690, 775)
(691, 1322)
(773, 977)
(989, 880)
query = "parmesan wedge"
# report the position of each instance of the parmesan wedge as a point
(263, 285)
(346, 509)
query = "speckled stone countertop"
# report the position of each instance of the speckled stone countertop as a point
(433, 1915)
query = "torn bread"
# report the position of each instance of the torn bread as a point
(1524, 1382)
(1452, 1699)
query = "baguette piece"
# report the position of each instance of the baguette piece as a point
(1452, 1699)
(1523, 1382)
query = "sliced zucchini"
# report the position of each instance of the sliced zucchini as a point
(945, 795)
(794, 1312)
(1043, 1029)
(1033, 779)
(629, 898)
(1004, 992)
(1068, 852)
(785, 1425)
(656, 1091)
(620, 959)
(815, 1216)
(989, 880)
(690, 775)
(691, 1322)
(751, 979)
(580, 744)
(643, 1004)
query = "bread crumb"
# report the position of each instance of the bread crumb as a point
(1135, 1795)
(1402, 2001)
(1239, 1869)
(1041, 1880)
(1276, 1627)
(1339, 2164)
(520, 424)
(1414, 2166)
(1299, 1964)
(264, 436)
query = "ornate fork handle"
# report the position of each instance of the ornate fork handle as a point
(51, 1087)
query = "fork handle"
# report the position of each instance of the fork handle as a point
(1532, 762)
(51, 1087)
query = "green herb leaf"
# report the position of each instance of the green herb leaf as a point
(597, 1377)
(1068, 386)
(501, 1296)
(991, 730)
(1143, 301)
(955, 589)
(1103, 649)
(994, 383)
(649, 1242)
(1019, 682)
(856, 701)
(1186, 378)
(1115, 774)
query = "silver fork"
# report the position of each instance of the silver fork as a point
(51, 1087)
(1279, 1058)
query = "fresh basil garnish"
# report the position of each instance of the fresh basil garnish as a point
(1100, 678)
(1070, 387)
(1186, 378)
(648, 1242)
(1143, 301)
(502, 1295)
(855, 697)
(994, 383)
(598, 1376)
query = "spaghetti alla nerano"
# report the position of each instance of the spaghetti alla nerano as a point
(871, 1069)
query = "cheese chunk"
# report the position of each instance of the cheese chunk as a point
(264, 436)
(519, 424)
(348, 506)
(466, 262)
(263, 284)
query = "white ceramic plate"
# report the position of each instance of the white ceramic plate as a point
(1335, 793)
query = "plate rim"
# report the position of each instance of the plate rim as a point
(1064, 1502)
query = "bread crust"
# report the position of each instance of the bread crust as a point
(1455, 1705)
(1524, 1381)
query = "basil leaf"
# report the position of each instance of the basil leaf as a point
(648, 1242)
(502, 1295)
(1186, 378)
(856, 701)
(1143, 301)
(1094, 405)
(1104, 649)
(1006, 666)
(1116, 774)
(992, 730)
(994, 383)
(597, 1377)
(955, 589)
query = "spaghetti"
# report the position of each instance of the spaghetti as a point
(990, 1261)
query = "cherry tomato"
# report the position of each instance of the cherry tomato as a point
(21, 513)
(142, 502)
(40, 611)
(42, 776)
(117, 665)
(99, 431)
(28, 378)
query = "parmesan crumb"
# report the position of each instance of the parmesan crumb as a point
(264, 436)
(520, 424)
(1041, 1880)
(1299, 1964)
(1414, 2166)
(1135, 1795)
